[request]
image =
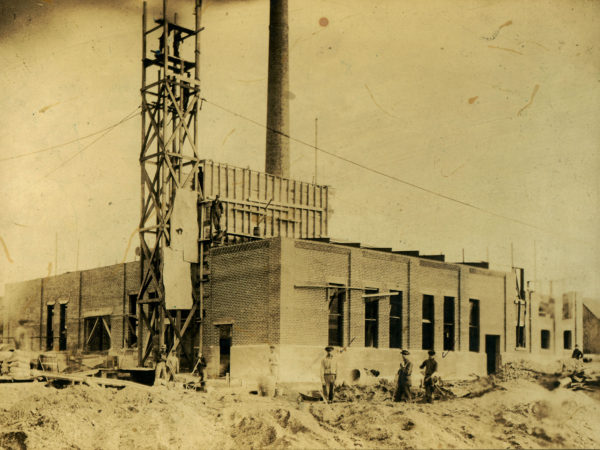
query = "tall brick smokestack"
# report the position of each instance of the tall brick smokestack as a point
(278, 112)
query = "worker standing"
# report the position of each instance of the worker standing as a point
(172, 366)
(404, 382)
(160, 371)
(328, 374)
(430, 365)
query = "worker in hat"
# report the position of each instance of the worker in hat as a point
(404, 382)
(430, 366)
(328, 374)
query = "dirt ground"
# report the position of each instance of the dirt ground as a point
(516, 413)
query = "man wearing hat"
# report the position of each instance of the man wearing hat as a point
(328, 373)
(404, 384)
(430, 365)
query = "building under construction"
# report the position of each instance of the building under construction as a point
(235, 260)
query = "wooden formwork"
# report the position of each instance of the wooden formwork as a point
(257, 204)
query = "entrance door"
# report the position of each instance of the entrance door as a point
(492, 350)
(224, 349)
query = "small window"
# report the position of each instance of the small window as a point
(396, 320)
(427, 322)
(473, 325)
(449, 323)
(97, 333)
(545, 339)
(371, 317)
(567, 344)
(337, 297)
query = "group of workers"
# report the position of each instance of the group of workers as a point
(403, 387)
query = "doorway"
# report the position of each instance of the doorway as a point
(225, 334)
(492, 351)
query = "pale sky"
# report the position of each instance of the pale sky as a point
(493, 103)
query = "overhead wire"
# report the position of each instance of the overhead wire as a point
(379, 172)
(107, 130)
(53, 147)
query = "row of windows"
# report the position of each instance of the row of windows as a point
(567, 339)
(337, 296)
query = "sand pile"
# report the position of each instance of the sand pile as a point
(519, 413)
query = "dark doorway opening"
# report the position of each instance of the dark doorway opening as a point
(492, 350)
(62, 330)
(225, 334)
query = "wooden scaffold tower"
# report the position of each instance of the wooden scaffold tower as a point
(169, 162)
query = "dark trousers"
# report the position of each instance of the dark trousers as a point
(329, 387)
(428, 390)
(403, 393)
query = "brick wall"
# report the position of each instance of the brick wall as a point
(244, 291)
(87, 293)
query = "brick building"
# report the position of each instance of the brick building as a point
(302, 295)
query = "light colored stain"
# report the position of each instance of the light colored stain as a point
(6, 250)
(378, 105)
(323, 21)
(135, 232)
(227, 137)
(505, 49)
(472, 99)
(535, 91)
(49, 269)
(495, 33)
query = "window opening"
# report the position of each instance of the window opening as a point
(62, 329)
(449, 323)
(50, 327)
(473, 325)
(336, 294)
(567, 339)
(371, 318)
(97, 333)
(545, 338)
(427, 322)
(396, 320)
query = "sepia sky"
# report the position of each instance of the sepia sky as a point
(491, 103)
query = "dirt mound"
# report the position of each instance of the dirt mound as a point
(518, 414)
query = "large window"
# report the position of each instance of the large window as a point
(567, 340)
(97, 333)
(396, 320)
(337, 296)
(448, 323)
(427, 322)
(545, 338)
(520, 328)
(473, 325)
(371, 317)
